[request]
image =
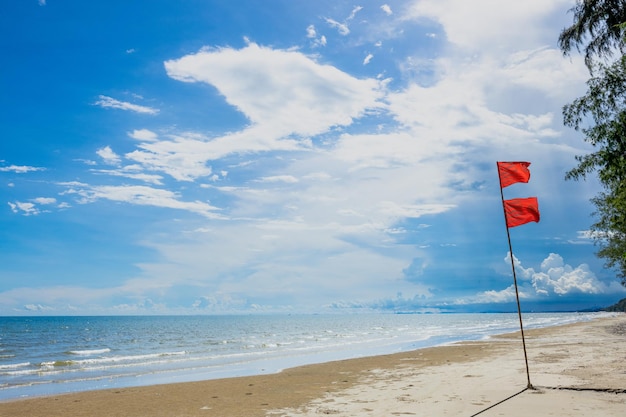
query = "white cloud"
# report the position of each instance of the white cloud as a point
(554, 278)
(545, 70)
(285, 92)
(492, 296)
(318, 176)
(108, 155)
(342, 28)
(491, 24)
(27, 209)
(45, 200)
(144, 135)
(31, 208)
(38, 307)
(20, 169)
(557, 278)
(310, 31)
(586, 236)
(132, 172)
(355, 10)
(290, 179)
(184, 158)
(145, 196)
(457, 107)
(412, 210)
(367, 59)
(109, 102)
(387, 9)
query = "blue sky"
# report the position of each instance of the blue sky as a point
(197, 156)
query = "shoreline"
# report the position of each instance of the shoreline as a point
(464, 377)
(112, 364)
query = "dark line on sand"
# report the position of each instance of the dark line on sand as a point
(499, 402)
(609, 390)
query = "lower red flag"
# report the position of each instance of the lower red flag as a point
(519, 211)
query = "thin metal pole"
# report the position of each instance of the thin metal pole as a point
(519, 309)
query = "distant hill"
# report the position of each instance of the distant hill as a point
(619, 306)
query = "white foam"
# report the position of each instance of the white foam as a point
(90, 352)
(14, 366)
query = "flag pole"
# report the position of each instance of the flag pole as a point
(519, 309)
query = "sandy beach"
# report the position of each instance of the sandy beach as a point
(575, 370)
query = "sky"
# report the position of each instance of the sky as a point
(217, 157)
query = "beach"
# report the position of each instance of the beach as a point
(575, 370)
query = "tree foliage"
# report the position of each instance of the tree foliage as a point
(601, 116)
(599, 21)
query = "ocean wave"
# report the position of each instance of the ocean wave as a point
(127, 358)
(56, 364)
(88, 365)
(14, 366)
(89, 352)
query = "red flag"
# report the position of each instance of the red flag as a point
(512, 172)
(519, 211)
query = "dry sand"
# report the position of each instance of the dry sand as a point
(576, 370)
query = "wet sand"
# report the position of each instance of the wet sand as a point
(575, 370)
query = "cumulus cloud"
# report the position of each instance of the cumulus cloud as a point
(27, 209)
(555, 277)
(284, 91)
(144, 135)
(311, 33)
(108, 155)
(31, 208)
(109, 102)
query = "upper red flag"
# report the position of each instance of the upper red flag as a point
(519, 211)
(512, 172)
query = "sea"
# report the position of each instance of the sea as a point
(55, 355)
